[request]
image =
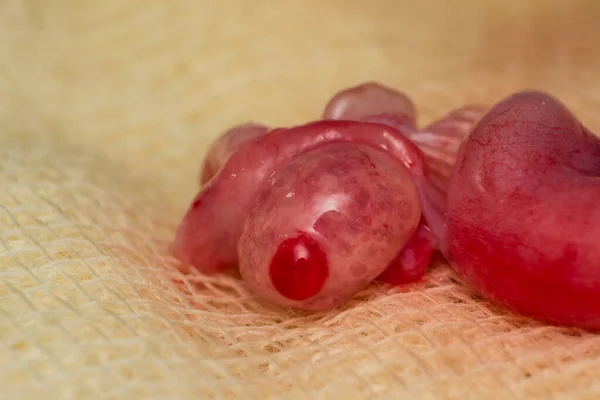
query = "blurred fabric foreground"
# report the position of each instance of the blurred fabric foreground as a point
(106, 109)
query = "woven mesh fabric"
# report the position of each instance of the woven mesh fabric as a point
(106, 110)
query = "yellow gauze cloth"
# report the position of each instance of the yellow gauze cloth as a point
(106, 111)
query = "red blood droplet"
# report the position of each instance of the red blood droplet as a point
(299, 268)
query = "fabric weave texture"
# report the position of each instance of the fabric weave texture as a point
(106, 111)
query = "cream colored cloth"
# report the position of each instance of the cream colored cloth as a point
(106, 109)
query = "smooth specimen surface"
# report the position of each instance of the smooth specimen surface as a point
(311, 214)
(523, 213)
(357, 204)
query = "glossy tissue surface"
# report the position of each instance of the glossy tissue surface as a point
(327, 224)
(311, 214)
(524, 211)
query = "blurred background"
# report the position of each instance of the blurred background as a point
(162, 78)
(106, 110)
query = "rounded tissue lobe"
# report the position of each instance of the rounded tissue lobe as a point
(523, 216)
(412, 262)
(227, 144)
(354, 201)
(368, 100)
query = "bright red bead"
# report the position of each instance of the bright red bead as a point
(299, 268)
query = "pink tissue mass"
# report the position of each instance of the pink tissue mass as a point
(312, 214)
